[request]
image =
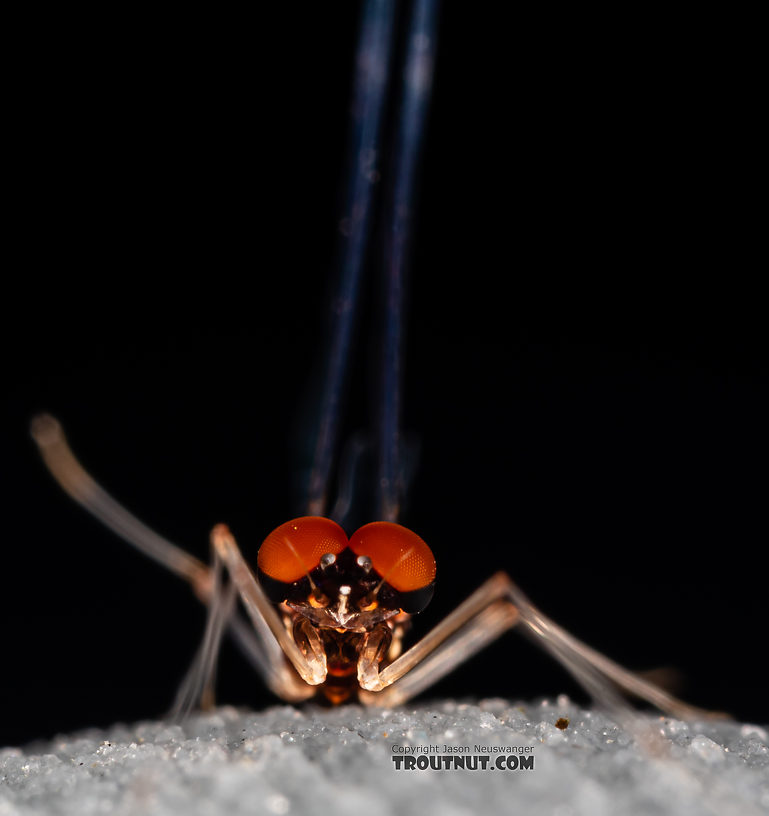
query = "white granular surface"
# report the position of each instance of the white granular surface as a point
(340, 762)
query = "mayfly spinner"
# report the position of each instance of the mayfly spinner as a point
(329, 612)
(329, 607)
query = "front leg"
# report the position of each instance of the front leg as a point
(492, 609)
(260, 647)
(309, 662)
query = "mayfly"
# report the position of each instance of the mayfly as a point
(329, 611)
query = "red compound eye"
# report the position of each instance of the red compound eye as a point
(294, 549)
(397, 554)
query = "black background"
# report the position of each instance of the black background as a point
(585, 367)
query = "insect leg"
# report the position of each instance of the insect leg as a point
(258, 645)
(74, 480)
(429, 667)
(260, 648)
(492, 609)
(310, 666)
(427, 651)
(198, 685)
(591, 668)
